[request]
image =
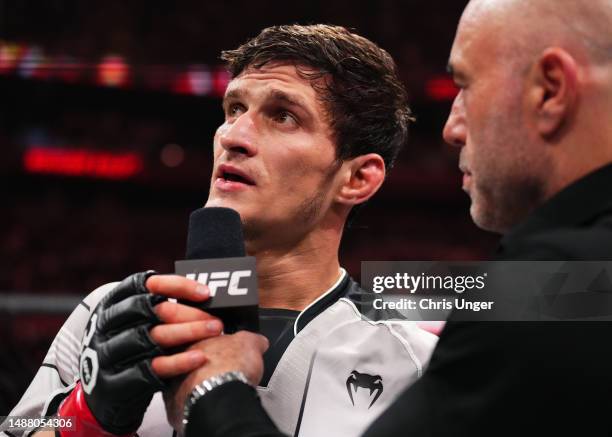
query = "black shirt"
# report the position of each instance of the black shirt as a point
(511, 379)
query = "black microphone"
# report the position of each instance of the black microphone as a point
(215, 233)
(216, 257)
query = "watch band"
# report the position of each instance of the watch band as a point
(207, 386)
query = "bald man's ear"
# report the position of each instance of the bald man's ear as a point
(554, 91)
(363, 177)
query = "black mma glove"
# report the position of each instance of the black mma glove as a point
(115, 367)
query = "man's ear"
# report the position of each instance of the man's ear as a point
(554, 90)
(364, 176)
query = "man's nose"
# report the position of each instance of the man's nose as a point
(455, 129)
(239, 136)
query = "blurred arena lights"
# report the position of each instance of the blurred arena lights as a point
(31, 62)
(113, 71)
(10, 54)
(197, 81)
(172, 155)
(82, 162)
(441, 88)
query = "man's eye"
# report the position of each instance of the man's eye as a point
(460, 85)
(285, 117)
(234, 110)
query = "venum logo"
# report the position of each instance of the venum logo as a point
(231, 280)
(372, 382)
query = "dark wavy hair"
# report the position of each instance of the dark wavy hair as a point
(365, 102)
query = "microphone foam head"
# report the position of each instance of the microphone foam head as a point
(215, 233)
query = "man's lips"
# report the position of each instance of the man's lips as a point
(467, 180)
(467, 176)
(230, 173)
(229, 179)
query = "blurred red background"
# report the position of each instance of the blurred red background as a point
(106, 123)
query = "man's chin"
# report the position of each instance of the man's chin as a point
(217, 202)
(478, 219)
(487, 220)
(479, 215)
(226, 203)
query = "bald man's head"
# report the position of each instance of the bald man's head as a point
(535, 98)
(526, 26)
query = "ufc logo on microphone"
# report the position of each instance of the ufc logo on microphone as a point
(231, 280)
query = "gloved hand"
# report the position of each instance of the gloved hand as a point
(115, 366)
(122, 362)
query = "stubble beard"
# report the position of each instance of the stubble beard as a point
(508, 192)
(303, 219)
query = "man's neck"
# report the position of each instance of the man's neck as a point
(293, 278)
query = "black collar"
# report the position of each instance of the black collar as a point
(340, 289)
(577, 204)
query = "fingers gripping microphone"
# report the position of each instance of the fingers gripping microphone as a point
(216, 257)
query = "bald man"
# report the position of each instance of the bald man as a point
(535, 91)
(532, 119)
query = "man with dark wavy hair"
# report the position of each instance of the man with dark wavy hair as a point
(314, 117)
(532, 120)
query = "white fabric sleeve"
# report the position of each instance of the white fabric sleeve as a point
(59, 370)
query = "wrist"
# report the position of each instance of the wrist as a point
(215, 415)
(86, 424)
(207, 386)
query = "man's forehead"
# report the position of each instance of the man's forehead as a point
(273, 80)
(455, 60)
(277, 71)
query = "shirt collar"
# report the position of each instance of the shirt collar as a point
(576, 204)
(326, 299)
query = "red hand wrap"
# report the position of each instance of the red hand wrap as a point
(86, 424)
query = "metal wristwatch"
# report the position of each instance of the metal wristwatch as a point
(207, 386)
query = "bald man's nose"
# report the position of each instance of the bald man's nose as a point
(455, 129)
(239, 136)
